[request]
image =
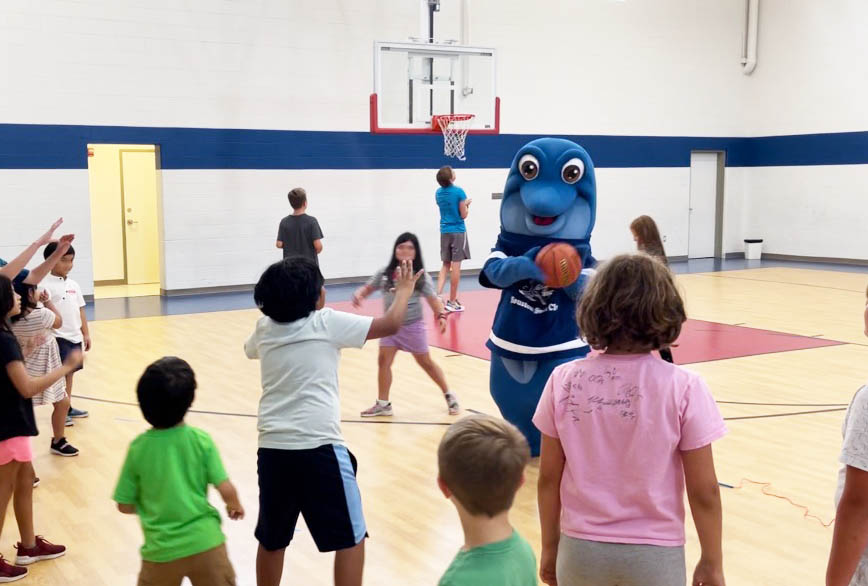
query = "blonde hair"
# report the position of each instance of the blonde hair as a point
(631, 303)
(482, 460)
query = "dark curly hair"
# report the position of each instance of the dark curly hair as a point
(289, 289)
(631, 304)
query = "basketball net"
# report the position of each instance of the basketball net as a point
(455, 128)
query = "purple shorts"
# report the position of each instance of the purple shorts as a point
(412, 338)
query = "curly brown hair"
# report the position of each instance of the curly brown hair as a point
(631, 304)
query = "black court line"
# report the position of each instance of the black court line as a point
(783, 404)
(722, 276)
(444, 423)
(770, 415)
(254, 416)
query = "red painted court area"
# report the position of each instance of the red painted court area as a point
(700, 341)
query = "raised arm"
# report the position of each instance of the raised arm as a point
(36, 275)
(19, 262)
(391, 321)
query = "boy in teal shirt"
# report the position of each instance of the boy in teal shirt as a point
(165, 481)
(482, 461)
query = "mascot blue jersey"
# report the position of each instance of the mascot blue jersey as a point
(534, 321)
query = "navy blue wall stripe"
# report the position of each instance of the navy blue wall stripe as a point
(39, 146)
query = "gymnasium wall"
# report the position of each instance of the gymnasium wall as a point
(642, 83)
(811, 78)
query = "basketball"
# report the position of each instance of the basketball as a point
(560, 263)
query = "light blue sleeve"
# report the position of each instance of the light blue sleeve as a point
(461, 195)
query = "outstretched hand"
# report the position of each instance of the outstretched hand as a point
(46, 238)
(405, 279)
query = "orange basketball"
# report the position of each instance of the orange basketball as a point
(560, 263)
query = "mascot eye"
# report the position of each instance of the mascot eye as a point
(573, 170)
(528, 166)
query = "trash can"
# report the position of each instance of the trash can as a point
(753, 249)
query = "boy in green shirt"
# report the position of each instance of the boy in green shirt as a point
(482, 461)
(165, 481)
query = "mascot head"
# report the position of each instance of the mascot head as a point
(551, 191)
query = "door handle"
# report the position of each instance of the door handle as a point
(131, 222)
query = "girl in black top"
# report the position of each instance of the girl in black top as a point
(17, 424)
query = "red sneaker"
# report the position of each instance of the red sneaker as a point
(10, 573)
(43, 550)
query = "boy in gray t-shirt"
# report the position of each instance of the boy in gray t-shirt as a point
(299, 234)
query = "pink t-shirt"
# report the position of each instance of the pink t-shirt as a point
(623, 421)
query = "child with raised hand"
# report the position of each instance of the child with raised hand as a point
(33, 329)
(623, 435)
(17, 425)
(481, 464)
(303, 463)
(165, 481)
(412, 337)
(848, 560)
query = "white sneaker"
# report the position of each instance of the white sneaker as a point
(378, 410)
(454, 306)
(452, 403)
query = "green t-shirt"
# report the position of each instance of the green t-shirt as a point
(506, 563)
(166, 476)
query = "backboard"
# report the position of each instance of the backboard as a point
(415, 81)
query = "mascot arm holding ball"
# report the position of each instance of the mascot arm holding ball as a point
(549, 197)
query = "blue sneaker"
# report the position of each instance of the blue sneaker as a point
(77, 413)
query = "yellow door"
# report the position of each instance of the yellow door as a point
(139, 187)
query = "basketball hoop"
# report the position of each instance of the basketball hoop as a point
(455, 128)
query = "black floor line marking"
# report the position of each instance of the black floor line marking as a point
(783, 404)
(253, 416)
(442, 423)
(770, 415)
(722, 276)
(453, 355)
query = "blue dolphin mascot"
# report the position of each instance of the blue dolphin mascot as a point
(550, 196)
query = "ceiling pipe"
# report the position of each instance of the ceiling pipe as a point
(751, 25)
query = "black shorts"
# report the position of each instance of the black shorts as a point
(66, 347)
(454, 247)
(321, 485)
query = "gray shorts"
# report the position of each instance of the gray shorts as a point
(594, 563)
(454, 247)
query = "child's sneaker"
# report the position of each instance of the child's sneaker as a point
(10, 573)
(378, 410)
(452, 403)
(77, 413)
(43, 550)
(36, 481)
(63, 448)
(454, 306)
(69, 422)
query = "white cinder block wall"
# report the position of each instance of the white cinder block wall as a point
(666, 68)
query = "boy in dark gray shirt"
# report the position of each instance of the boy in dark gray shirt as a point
(299, 234)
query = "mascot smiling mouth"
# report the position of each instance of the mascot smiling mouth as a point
(544, 221)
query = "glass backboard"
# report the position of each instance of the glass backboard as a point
(415, 81)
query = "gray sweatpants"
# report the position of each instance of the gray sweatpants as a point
(594, 563)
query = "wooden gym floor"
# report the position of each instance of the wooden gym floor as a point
(784, 407)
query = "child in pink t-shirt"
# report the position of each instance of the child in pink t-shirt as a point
(622, 433)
